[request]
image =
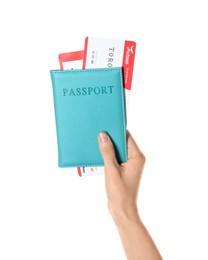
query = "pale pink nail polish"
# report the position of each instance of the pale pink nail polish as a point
(103, 137)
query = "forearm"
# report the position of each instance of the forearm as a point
(137, 243)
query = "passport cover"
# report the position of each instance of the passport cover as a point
(87, 102)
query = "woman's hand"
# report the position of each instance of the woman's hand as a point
(122, 184)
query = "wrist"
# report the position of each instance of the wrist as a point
(122, 215)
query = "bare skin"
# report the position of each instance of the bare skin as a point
(122, 184)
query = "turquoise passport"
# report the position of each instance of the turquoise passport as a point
(87, 102)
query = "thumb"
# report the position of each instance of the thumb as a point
(107, 151)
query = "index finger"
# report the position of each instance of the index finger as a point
(133, 149)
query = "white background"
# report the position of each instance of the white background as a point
(51, 213)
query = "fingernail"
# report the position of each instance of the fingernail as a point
(103, 137)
